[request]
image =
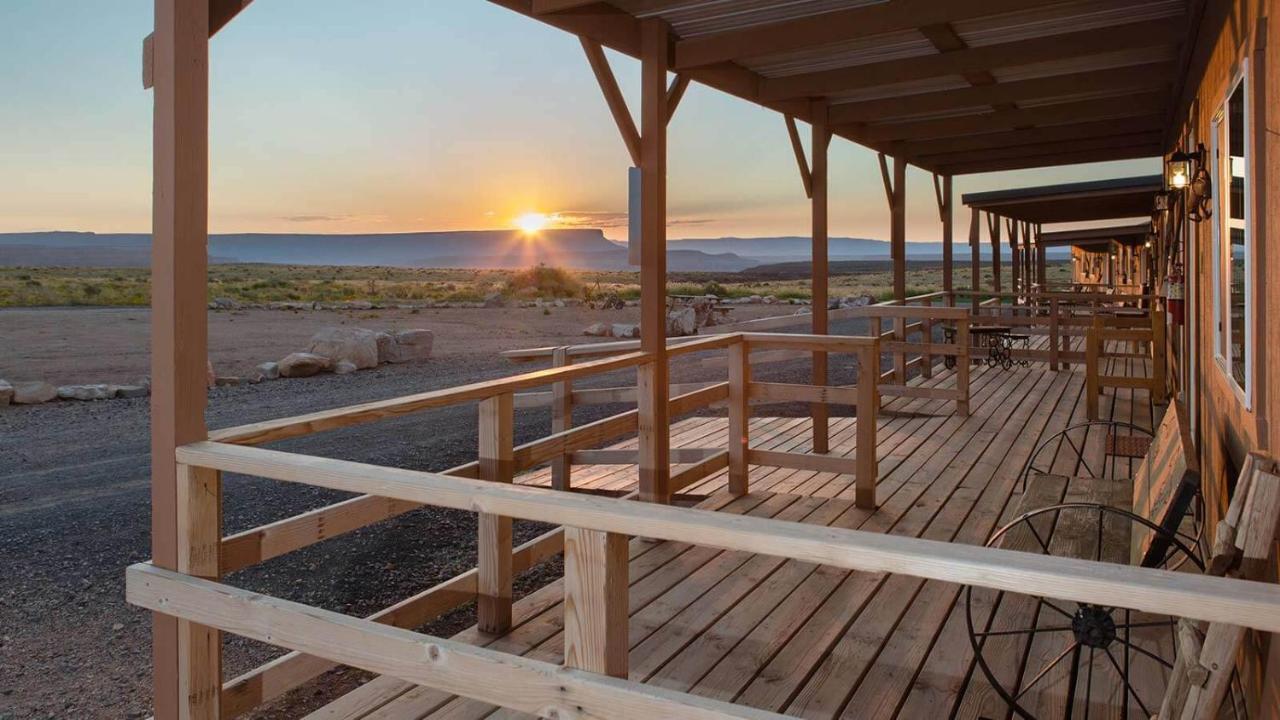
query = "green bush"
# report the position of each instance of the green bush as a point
(542, 281)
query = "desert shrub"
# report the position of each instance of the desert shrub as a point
(542, 281)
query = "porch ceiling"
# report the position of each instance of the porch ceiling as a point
(1125, 234)
(951, 86)
(1072, 202)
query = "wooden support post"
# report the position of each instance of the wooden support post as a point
(867, 467)
(652, 377)
(1053, 333)
(561, 420)
(993, 227)
(199, 495)
(1092, 355)
(926, 329)
(497, 464)
(1015, 267)
(179, 331)
(975, 268)
(1159, 356)
(596, 601)
(945, 197)
(895, 193)
(739, 416)
(962, 367)
(821, 137)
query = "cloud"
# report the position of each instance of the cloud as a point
(333, 218)
(607, 220)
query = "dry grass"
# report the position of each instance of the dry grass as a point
(33, 287)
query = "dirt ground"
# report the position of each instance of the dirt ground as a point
(74, 485)
(110, 345)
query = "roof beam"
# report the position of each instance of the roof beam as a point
(1147, 33)
(1147, 76)
(542, 7)
(221, 12)
(1030, 136)
(1056, 114)
(1049, 148)
(837, 26)
(1054, 159)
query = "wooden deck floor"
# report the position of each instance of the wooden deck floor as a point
(813, 641)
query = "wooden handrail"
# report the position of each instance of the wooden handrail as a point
(299, 425)
(1238, 602)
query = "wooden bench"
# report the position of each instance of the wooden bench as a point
(1023, 646)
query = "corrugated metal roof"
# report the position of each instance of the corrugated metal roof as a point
(877, 48)
(706, 17)
(1069, 17)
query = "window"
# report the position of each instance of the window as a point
(1232, 251)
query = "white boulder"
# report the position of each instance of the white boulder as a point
(682, 322)
(298, 365)
(269, 370)
(33, 393)
(625, 330)
(86, 392)
(6, 393)
(355, 345)
(344, 368)
(597, 330)
(413, 345)
(132, 391)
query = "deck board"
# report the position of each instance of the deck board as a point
(808, 640)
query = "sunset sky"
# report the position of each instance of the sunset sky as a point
(398, 115)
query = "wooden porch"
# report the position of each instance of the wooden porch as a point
(811, 640)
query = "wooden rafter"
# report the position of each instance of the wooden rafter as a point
(1050, 148)
(542, 7)
(833, 27)
(613, 97)
(1146, 76)
(1065, 158)
(915, 149)
(1058, 114)
(1065, 46)
(675, 93)
(806, 177)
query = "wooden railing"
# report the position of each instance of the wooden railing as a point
(213, 556)
(1145, 343)
(595, 534)
(907, 320)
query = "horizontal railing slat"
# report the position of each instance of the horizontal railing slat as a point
(1239, 602)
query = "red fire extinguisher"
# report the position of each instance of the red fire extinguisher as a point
(1174, 295)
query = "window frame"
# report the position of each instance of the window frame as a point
(1222, 248)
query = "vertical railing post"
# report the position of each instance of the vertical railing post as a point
(739, 416)
(561, 420)
(962, 366)
(596, 601)
(865, 451)
(1091, 353)
(199, 492)
(900, 357)
(1159, 357)
(1053, 333)
(926, 328)
(497, 464)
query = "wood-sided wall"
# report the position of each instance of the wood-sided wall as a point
(1228, 427)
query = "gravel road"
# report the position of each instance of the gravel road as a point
(74, 512)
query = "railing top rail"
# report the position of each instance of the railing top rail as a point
(827, 343)
(1198, 597)
(902, 311)
(299, 425)
(1058, 295)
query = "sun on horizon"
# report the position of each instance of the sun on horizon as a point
(531, 223)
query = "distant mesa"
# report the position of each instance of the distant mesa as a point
(585, 249)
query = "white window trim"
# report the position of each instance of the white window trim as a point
(1222, 245)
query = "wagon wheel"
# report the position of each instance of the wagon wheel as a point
(1029, 644)
(1064, 452)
